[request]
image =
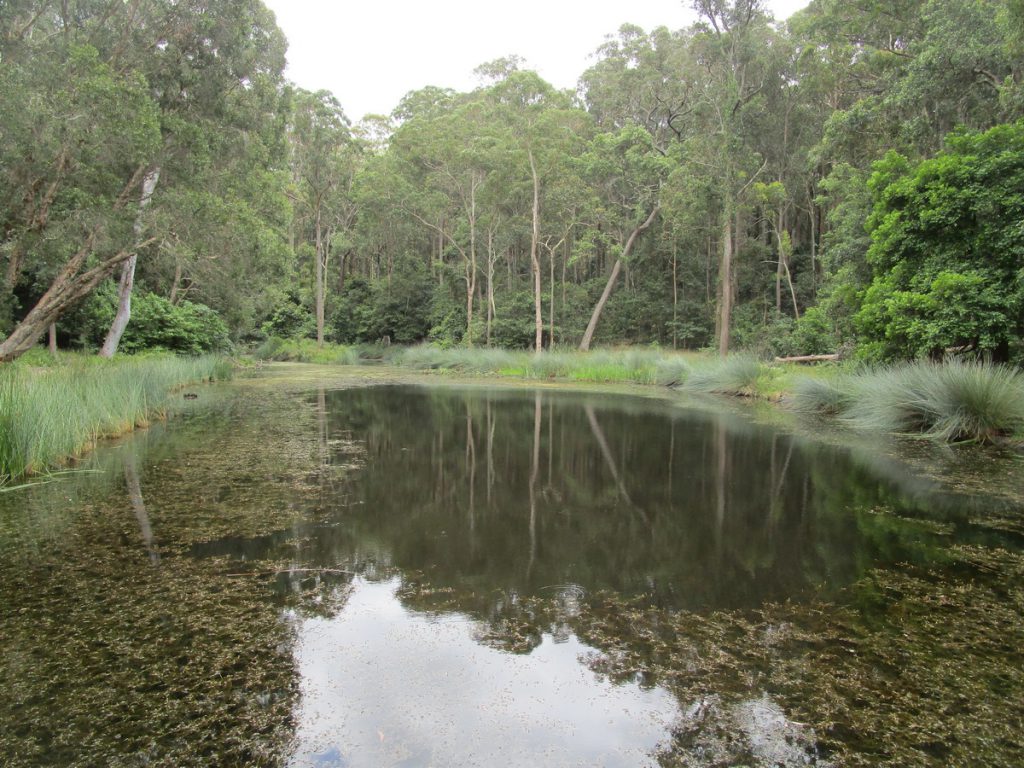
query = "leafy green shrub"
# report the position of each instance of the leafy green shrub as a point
(186, 328)
(290, 320)
(946, 249)
(814, 334)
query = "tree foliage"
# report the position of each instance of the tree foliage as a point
(947, 249)
(846, 179)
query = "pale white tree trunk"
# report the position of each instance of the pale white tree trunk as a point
(471, 261)
(588, 335)
(538, 316)
(127, 284)
(319, 272)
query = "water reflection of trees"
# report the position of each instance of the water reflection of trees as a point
(696, 510)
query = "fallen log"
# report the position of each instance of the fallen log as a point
(808, 358)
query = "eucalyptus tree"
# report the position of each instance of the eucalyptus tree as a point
(643, 93)
(216, 80)
(544, 130)
(106, 105)
(730, 43)
(324, 161)
(446, 156)
(627, 173)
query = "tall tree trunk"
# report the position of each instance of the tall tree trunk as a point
(173, 297)
(471, 262)
(127, 283)
(53, 339)
(551, 299)
(588, 336)
(780, 266)
(725, 284)
(675, 299)
(491, 258)
(319, 288)
(538, 318)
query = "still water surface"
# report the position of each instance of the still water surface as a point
(425, 576)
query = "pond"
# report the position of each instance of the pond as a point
(337, 574)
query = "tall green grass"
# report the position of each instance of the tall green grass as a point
(630, 366)
(306, 351)
(954, 401)
(50, 414)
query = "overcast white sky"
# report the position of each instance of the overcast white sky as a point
(370, 53)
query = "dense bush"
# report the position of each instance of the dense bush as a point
(397, 309)
(947, 250)
(290, 320)
(156, 323)
(305, 351)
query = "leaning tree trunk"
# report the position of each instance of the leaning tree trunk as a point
(67, 289)
(588, 336)
(70, 285)
(127, 284)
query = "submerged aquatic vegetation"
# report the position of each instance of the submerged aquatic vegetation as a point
(916, 665)
(50, 414)
(174, 663)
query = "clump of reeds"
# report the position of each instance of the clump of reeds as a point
(977, 401)
(422, 357)
(50, 414)
(735, 375)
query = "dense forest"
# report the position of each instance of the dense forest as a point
(850, 180)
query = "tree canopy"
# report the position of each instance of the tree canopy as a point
(849, 179)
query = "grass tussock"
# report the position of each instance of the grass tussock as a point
(954, 401)
(736, 375)
(306, 351)
(49, 414)
(828, 397)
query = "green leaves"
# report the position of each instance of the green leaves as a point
(947, 248)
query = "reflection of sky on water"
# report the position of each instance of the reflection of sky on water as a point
(384, 686)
